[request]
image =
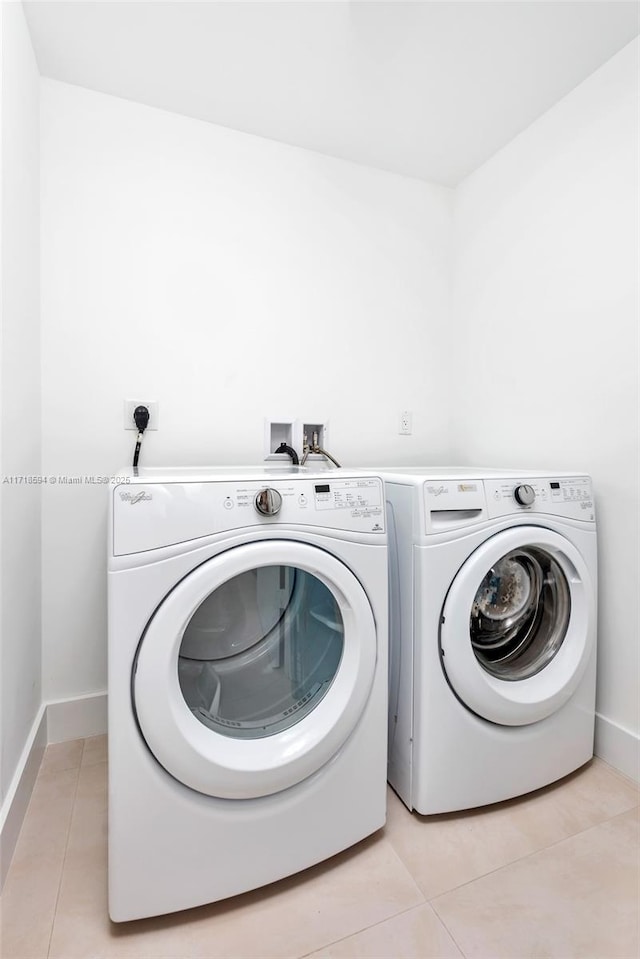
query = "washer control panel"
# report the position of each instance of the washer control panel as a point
(571, 497)
(152, 515)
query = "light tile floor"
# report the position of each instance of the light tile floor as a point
(553, 875)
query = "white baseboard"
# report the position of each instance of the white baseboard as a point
(77, 718)
(18, 795)
(619, 747)
(55, 723)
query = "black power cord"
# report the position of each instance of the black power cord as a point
(289, 450)
(141, 419)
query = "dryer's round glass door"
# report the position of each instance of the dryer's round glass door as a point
(255, 669)
(520, 613)
(517, 628)
(261, 651)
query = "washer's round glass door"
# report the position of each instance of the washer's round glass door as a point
(520, 614)
(255, 669)
(518, 626)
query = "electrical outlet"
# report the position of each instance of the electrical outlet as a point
(406, 423)
(154, 412)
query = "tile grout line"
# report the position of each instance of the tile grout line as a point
(426, 902)
(358, 932)
(409, 873)
(66, 847)
(395, 915)
(403, 912)
(527, 855)
(534, 852)
(453, 938)
(430, 902)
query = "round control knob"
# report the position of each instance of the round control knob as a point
(524, 495)
(268, 501)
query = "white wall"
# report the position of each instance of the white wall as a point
(20, 394)
(546, 324)
(230, 278)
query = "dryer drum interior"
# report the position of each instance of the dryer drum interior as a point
(520, 614)
(260, 652)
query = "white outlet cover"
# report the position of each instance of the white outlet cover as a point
(154, 413)
(405, 427)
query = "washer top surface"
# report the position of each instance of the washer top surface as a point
(414, 475)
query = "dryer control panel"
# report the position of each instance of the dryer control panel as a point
(148, 515)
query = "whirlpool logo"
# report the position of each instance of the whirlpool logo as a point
(133, 498)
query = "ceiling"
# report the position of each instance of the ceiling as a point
(425, 89)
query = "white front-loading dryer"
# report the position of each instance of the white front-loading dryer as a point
(247, 679)
(492, 633)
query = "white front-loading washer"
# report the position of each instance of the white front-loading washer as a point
(492, 633)
(247, 679)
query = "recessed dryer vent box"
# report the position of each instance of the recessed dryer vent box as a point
(277, 432)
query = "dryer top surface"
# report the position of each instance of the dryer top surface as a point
(209, 474)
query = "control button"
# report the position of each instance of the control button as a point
(268, 501)
(524, 494)
(302, 499)
(228, 503)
